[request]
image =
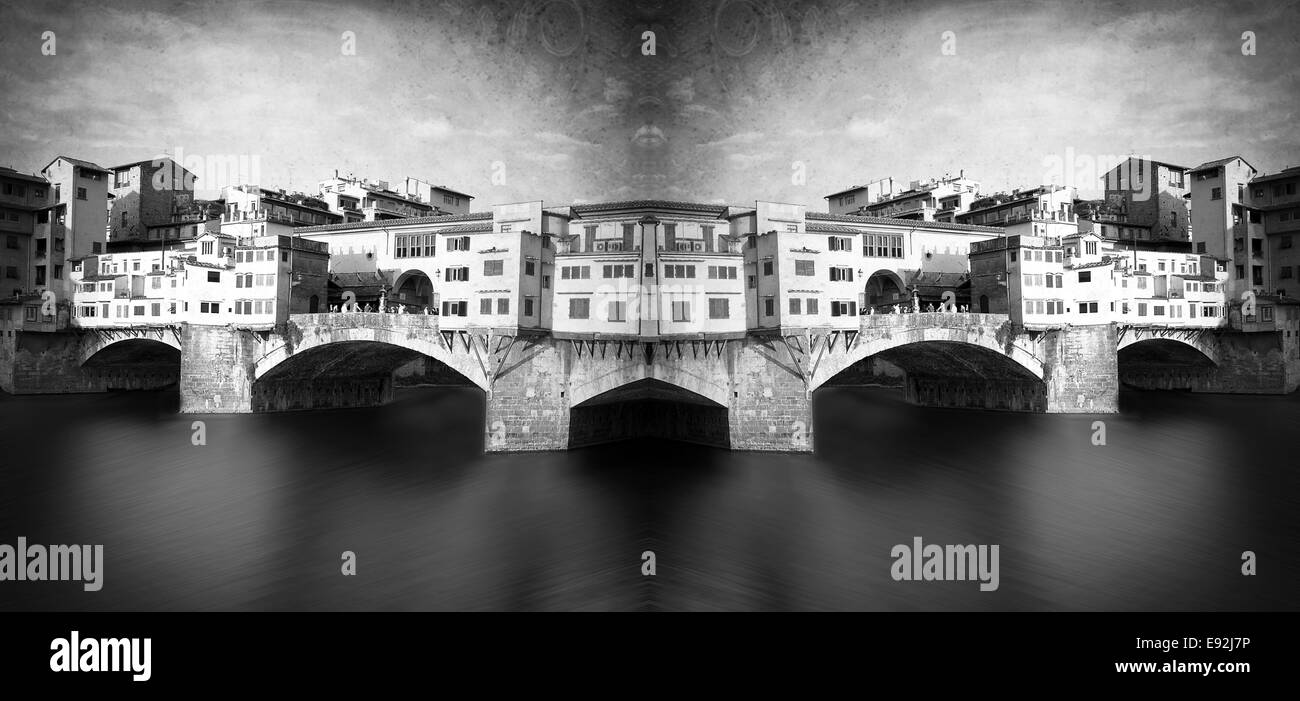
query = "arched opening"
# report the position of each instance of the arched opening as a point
(649, 409)
(984, 304)
(349, 374)
(414, 290)
(135, 364)
(946, 374)
(1164, 364)
(313, 304)
(883, 289)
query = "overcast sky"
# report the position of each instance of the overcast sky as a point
(556, 100)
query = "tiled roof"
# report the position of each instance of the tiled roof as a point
(11, 173)
(151, 161)
(362, 225)
(715, 209)
(79, 162)
(858, 219)
(1219, 162)
(854, 188)
(1292, 172)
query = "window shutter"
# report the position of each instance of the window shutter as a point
(670, 237)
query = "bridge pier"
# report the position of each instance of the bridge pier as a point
(528, 406)
(770, 408)
(217, 369)
(1081, 370)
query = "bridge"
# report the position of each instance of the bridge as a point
(544, 393)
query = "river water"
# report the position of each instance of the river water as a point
(259, 517)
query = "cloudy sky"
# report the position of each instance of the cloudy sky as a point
(742, 99)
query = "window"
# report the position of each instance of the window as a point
(839, 274)
(11, 272)
(839, 308)
(812, 305)
(209, 307)
(1142, 308)
(838, 243)
(619, 271)
(546, 282)
(493, 267)
(882, 246)
(617, 311)
(485, 306)
(503, 305)
(1085, 276)
(213, 275)
(795, 304)
(530, 268)
(579, 308)
(769, 306)
(460, 274)
(722, 272)
(1283, 241)
(1087, 307)
(1284, 273)
(1216, 193)
(1266, 313)
(719, 308)
(29, 314)
(767, 267)
(81, 193)
(1257, 275)
(207, 245)
(753, 281)
(681, 310)
(679, 271)
(458, 243)
(575, 272)
(1090, 248)
(12, 242)
(528, 306)
(804, 267)
(1241, 271)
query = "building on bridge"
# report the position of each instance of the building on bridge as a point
(1085, 279)
(215, 279)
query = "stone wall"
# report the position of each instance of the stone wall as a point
(527, 408)
(1080, 369)
(769, 408)
(217, 369)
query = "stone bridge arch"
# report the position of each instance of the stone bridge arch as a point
(704, 374)
(459, 351)
(880, 333)
(1200, 340)
(95, 340)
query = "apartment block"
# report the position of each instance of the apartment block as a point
(1151, 194)
(1276, 200)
